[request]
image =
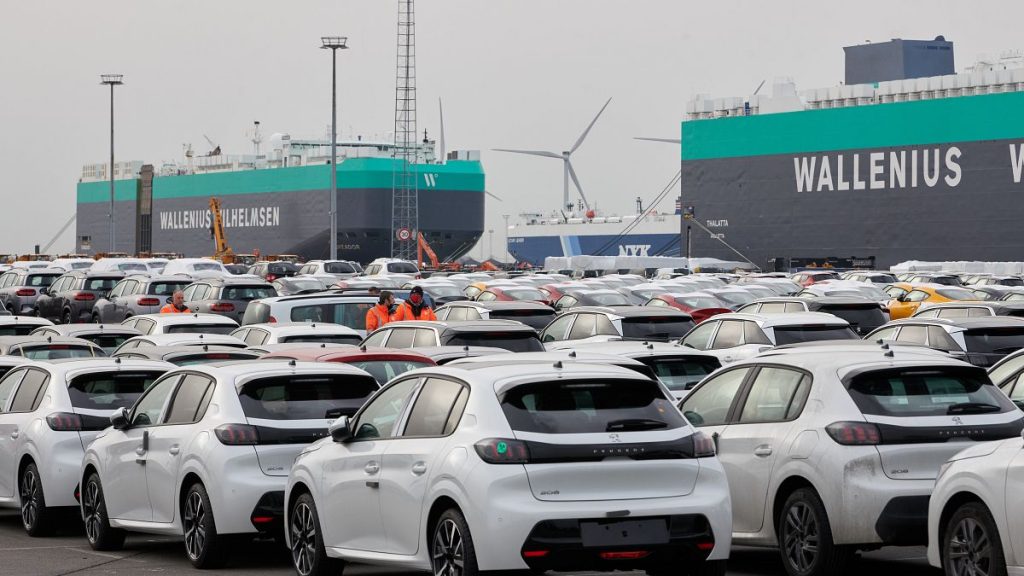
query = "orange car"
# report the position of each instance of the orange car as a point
(911, 295)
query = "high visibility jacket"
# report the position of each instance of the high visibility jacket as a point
(170, 309)
(377, 317)
(407, 312)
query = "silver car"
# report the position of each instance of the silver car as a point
(135, 295)
(20, 287)
(228, 296)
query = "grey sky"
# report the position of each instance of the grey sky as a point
(515, 74)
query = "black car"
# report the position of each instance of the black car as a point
(71, 297)
(271, 271)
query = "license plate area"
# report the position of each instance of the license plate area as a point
(601, 534)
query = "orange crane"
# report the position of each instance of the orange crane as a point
(222, 251)
(422, 246)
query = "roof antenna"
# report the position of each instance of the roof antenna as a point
(206, 347)
(572, 354)
(558, 364)
(291, 362)
(890, 354)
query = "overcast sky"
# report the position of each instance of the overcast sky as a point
(512, 73)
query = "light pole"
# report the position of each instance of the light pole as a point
(334, 43)
(505, 216)
(111, 80)
(490, 243)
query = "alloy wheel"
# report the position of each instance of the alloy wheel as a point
(970, 549)
(29, 495)
(193, 519)
(447, 557)
(800, 537)
(91, 502)
(303, 535)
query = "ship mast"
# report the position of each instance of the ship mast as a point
(404, 185)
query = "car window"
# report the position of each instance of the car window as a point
(145, 325)
(977, 311)
(165, 288)
(379, 417)
(188, 404)
(1017, 394)
(9, 382)
(941, 340)
(768, 308)
(700, 336)
(709, 404)
(603, 325)
(118, 289)
(256, 337)
(147, 410)
(99, 284)
(916, 296)
(557, 329)
(429, 415)
(486, 296)
(190, 292)
(925, 391)
(885, 334)
(109, 390)
(776, 395)
(566, 302)
(681, 374)
(913, 334)
(935, 313)
(752, 334)
(424, 337)
(350, 314)
(729, 335)
(247, 293)
(442, 313)
(583, 327)
(997, 374)
(305, 396)
(30, 392)
(402, 338)
(376, 340)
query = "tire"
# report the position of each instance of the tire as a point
(309, 557)
(971, 544)
(94, 514)
(36, 518)
(450, 544)
(805, 538)
(65, 317)
(203, 547)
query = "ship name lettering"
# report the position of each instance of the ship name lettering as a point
(634, 249)
(892, 170)
(251, 217)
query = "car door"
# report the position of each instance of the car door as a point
(1014, 509)
(410, 461)
(106, 308)
(8, 426)
(170, 439)
(47, 303)
(124, 455)
(710, 405)
(700, 337)
(760, 430)
(351, 472)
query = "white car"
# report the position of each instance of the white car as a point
(480, 467)
(291, 332)
(72, 264)
(194, 323)
(737, 336)
(127, 265)
(606, 323)
(400, 270)
(195, 268)
(334, 308)
(205, 452)
(830, 448)
(975, 519)
(50, 410)
(178, 339)
(21, 325)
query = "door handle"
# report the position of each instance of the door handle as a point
(727, 359)
(174, 450)
(763, 450)
(371, 468)
(141, 461)
(372, 484)
(15, 434)
(140, 450)
(419, 468)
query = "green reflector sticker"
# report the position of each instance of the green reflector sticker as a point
(502, 447)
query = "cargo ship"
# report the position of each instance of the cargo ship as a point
(907, 160)
(279, 202)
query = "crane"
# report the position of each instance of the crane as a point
(214, 147)
(222, 251)
(421, 247)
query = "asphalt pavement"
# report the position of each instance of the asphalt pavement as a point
(69, 553)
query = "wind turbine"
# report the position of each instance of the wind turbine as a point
(566, 158)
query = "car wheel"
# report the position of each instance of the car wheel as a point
(96, 319)
(204, 548)
(971, 544)
(35, 516)
(805, 538)
(309, 557)
(94, 514)
(65, 318)
(451, 546)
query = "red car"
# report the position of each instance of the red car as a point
(699, 307)
(382, 363)
(807, 278)
(512, 294)
(556, 291)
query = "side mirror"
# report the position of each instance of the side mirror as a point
(44, 291)
(340, 430)
(169, 300)
(119, 419)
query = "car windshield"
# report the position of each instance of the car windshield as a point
(511, 341)
(735, 298)
(655, 327)
(384, 370)
(525, 294)
(353, 339)
(955, 293)
(587, 407)
(797, 334)
(246, 293)
(165, 288)
(351, 314)
(110, 390)
(339, 268)
(305, 397)
(402, 268)
(200, 329)
(680, 374)
(37, 280)
(56, 351)
(925, 391)
(100, 284)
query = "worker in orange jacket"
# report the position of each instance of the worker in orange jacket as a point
(414, 308)
(176, 305)
(380, 314)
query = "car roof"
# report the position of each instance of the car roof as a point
(348, 354)
(192, 318)
(29, 320)
(198, 337)
(178, 350)
(499, 305)
(303, 328)
(463, 325)
(993, 304)
(631, 311)
(501, 378)
(243, 368)
(75, 329)
(822, 300)
(328, 296)
(784, 319)
(971, 322)
(101, 363)
(41, 339)
(839, 356)
(550, 356)
(243, 279)
(450, 352)
(635, 349)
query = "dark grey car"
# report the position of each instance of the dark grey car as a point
(136, 295)
(106, 336)
(19, 288)
(71, 297)
(228, 296)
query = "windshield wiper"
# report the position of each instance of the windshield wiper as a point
(635, 424)
(972, 408)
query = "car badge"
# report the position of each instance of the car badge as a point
(958, 421)
(614, 438)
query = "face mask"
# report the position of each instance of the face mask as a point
(416, 299)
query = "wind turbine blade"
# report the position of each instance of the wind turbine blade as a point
(668, 140)
(493, 196)
(444, 153)
(576, 181)
(587, 131)
(544, 153)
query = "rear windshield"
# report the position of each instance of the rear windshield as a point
(247, 292)
(402, 268)
(110, 391)
(55, 352)
(575, 407)
(17, 330)
(608, 299)
(256, 313)
(328, 338)
(338, 268)
(681, 373)
(304, 284)
(532, 318)
(207, 266)
(955, 293)
(100, 284)
(993, 343)
(282, 268)
(735, 298)
(699, 302)
(655, 328)
(384, 370)
(132, 268)
(524, 294)
(859, 317)
(165, 288)
(927, 392)
(798, 334)
(305, 397)
(40, 279)
(511, 341)
(351, 314)
(106, 341)
(209, 357)
(200, 329)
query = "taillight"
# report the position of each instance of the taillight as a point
(64, 422)
(271, 320)
(854, 433)
(502, 451)
(25, 292)
(703, 445)
(237, 435)
(148, 301)
(222, 307)
(271, 277)
(535, 553)
(84, 296)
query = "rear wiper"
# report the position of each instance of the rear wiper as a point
(635, 424)
(972, 408)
